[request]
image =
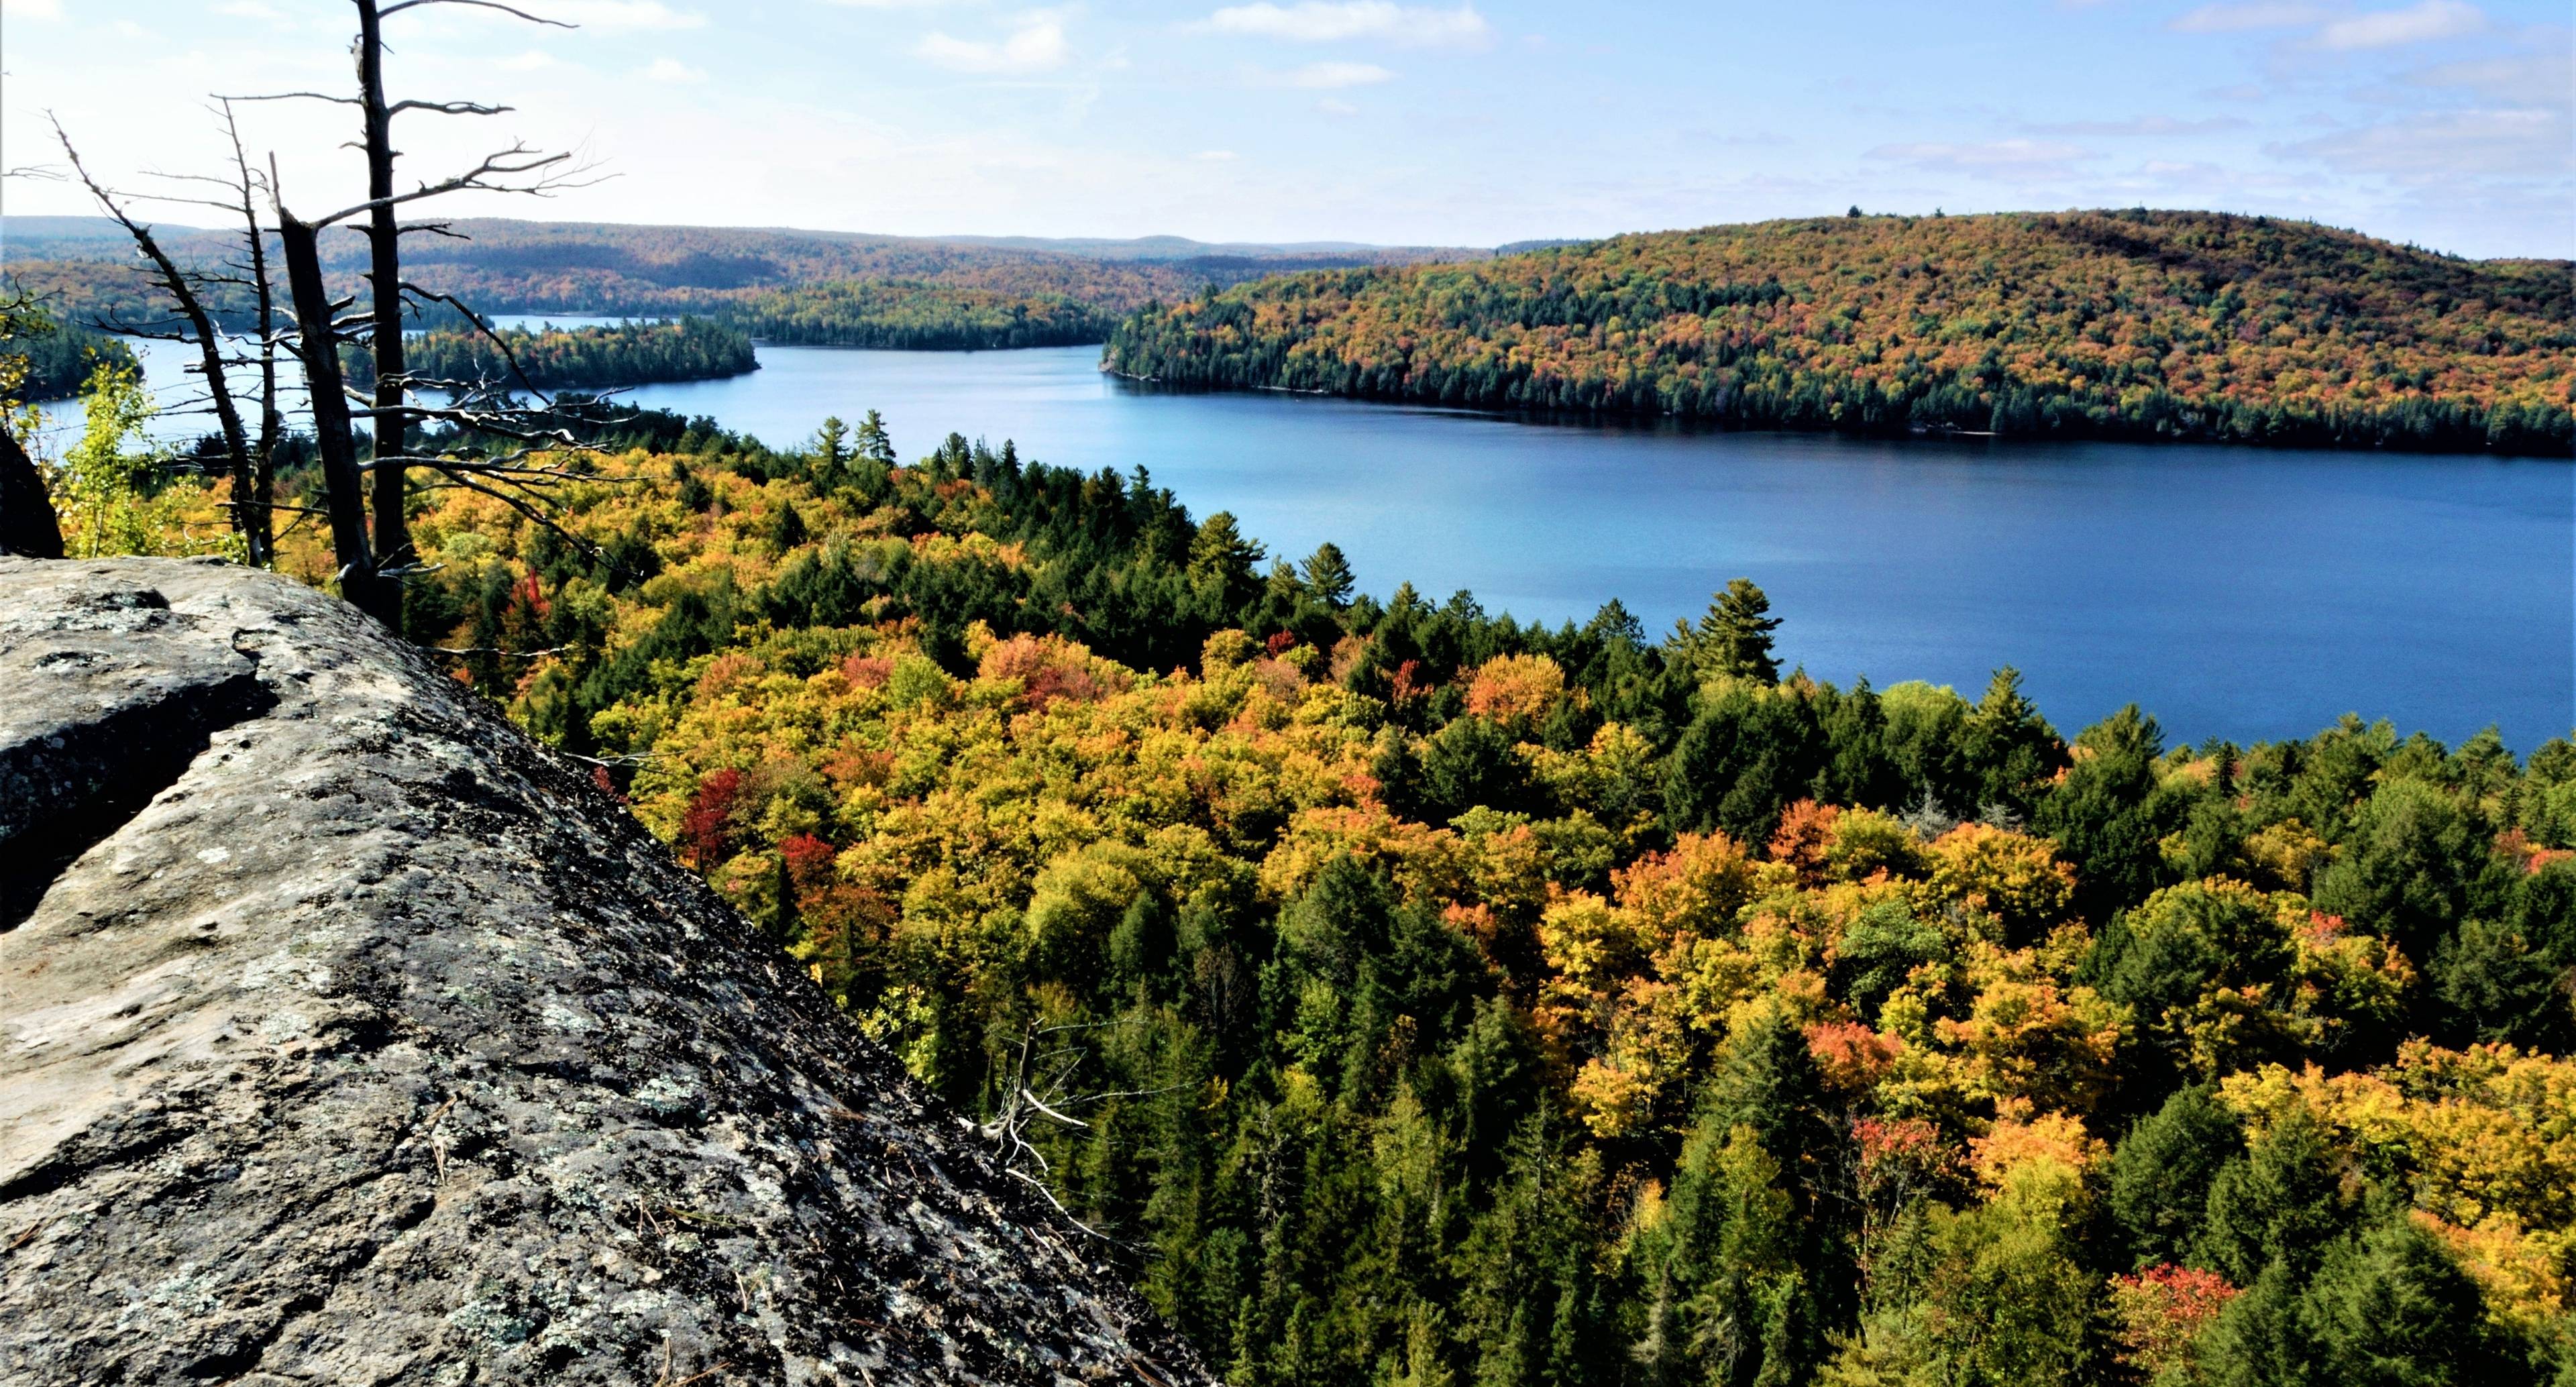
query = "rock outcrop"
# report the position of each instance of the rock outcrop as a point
(348, 1036)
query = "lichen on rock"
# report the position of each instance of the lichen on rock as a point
(346, 1035)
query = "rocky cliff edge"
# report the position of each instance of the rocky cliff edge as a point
(348, 1036)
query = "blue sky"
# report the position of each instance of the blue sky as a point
(2443, 122)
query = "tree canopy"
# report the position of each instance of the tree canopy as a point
(2149, 325)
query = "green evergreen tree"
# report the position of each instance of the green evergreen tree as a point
(2279, 1202)
(2387, 1307)
(1225, 564)
(1733, 640)
(1328, 575)
(2162, 1171)
(2110, 814)
(832, 445)
(873, 442)
(2416, 864)
(2012, 748)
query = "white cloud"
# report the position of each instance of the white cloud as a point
(2531, 80)
(2418, 23)
(2239, 17)
(1329, 76)
(530, 61)
(1037, 45)
(32, 9)
(2439, 149)
(2142, 126)
(619, 14)
(1992, 155)
(673, 71)
(248, 9)
(1329, 21)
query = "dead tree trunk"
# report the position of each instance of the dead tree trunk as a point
(333, 437)
(384, 273)
(259, 531)
(201, 330)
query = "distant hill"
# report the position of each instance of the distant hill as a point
(961, 291)
(2182, 325)
(1183, 248)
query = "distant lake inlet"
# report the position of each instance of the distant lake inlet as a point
(2233, 592)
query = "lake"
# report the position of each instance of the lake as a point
(2233, 592)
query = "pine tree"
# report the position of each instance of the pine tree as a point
(1223, 560)
(2012, 747)
(2279, 1202)
(832, 441)
(1328, 575)
(1734, 640)
(2161, 1174)
(873, 442)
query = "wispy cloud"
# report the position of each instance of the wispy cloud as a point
(1985, 156)
(2418, 23)
(2441, 148)
(675, 72)
(1327, 76)
(1036, 45)
(1331, 21)
(32, 9)
(530, 61)
(2533, 79)
(2244, 15)
(2140, 127)
(1214, 156)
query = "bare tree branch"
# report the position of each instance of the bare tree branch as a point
(201, 327)
(295, 96)
(448, 108)
(391, 10)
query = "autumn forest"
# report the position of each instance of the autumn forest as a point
(1430, 997)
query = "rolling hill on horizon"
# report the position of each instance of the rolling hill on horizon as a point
(815, 287)
(2135, 324)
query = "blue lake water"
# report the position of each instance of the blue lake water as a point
(2232, 592)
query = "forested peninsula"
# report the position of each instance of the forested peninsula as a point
(2133, 325)
(1443, 998)
(58, 358)
(905, 315)
(582, 358)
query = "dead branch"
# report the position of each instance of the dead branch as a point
(208, 339)
(391, 10)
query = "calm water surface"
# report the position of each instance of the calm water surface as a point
(2232, 592)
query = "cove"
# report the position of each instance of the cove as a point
(2236, 593)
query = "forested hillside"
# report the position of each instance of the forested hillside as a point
(1407, 995)
(584, 358)
(831, 288)
(2182, 325)
(58, 357)
(907, 315)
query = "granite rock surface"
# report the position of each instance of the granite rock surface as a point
(348, 1036)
